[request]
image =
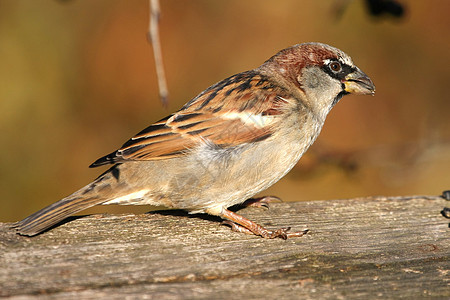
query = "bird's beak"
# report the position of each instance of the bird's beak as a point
(358, 83)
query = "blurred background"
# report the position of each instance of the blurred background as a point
(77, 79)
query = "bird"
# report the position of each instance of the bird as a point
(233, 140)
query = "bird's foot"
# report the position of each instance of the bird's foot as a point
(240, 224)
(261, 201)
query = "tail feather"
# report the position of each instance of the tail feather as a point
(53, 214)
(101, 190)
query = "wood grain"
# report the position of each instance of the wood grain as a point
(359, 248)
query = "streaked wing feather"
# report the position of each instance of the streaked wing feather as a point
(229, 113)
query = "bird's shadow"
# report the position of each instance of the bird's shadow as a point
(62, 222)
(184, 214)
(164, 212)
(203, 216)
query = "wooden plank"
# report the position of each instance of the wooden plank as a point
(359, 248)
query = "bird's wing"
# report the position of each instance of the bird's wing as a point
(240, 109)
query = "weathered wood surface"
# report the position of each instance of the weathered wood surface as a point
(359, 248)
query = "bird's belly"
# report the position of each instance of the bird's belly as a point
(210, 177)
(234, 177)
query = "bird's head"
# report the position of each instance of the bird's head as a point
(321, 74)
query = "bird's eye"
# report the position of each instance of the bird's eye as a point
(335, 66)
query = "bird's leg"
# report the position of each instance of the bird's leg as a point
(261, 201)
(240, 224)
(236, 228)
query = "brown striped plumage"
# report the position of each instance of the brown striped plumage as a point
(203, 118)
(233, 140)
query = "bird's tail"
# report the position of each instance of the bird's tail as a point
(53, 214)
(93, 194)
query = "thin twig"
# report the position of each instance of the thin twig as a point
(153, 37)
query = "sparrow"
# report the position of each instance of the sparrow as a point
(235, 139)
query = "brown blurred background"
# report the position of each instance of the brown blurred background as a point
(77, 79)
